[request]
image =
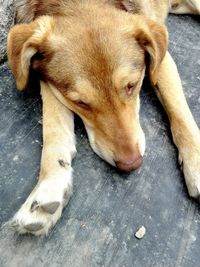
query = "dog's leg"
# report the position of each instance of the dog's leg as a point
(44, 206)
(186, 134)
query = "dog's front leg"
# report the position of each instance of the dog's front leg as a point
(185, 132)
(44, 206)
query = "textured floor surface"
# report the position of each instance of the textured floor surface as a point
(97, 227)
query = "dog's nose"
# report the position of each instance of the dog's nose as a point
(128, 165)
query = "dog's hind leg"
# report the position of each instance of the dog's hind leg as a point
(44, 206)
(185, 7)
(186, 134)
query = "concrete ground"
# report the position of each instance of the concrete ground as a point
(97, 227)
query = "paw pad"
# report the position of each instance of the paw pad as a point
(33, 227)
(50, 207)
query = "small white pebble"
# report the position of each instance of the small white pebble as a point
(16, 157)
(140, 233)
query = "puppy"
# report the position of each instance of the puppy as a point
(91, 57)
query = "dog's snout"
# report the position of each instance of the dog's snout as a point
(129, 164)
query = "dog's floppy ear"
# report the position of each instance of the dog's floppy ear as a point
(153, 37)
(24, 41)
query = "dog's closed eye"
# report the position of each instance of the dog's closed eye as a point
(83, 105)
(130, 88)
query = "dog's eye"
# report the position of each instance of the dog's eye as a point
(130, 88)
(83, 105)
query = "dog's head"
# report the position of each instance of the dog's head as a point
(96, 60)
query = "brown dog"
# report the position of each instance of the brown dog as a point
(91, 58)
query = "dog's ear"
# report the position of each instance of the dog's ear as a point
(153, 37)
(24, 42)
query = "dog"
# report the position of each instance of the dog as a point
(91, 57)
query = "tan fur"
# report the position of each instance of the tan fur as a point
(185, 132)
(91, 58)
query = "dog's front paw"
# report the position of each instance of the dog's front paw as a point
(191, 168)
(44, 206)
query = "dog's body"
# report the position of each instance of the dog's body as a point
(91, 59)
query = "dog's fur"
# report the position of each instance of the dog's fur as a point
(91, 57)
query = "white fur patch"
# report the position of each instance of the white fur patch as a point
(38, 221)
(103, 153)
(142, 143)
